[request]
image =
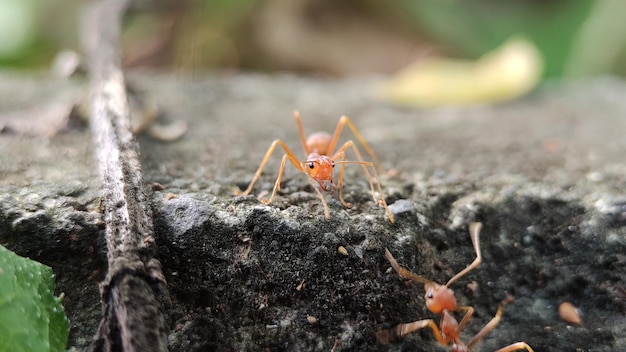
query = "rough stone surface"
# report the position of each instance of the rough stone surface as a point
(545, 174)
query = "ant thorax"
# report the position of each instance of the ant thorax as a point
(320, 168)
(459, 348)
(449, 327)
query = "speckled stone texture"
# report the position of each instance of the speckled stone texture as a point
(545, 174)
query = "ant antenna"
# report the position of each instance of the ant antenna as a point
(404, 272)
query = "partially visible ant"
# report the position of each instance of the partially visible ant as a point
(319, 163)
(440, 299)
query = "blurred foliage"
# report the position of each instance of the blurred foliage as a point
(325, 36)
(473, 27)
(185, 33)
(32, 31)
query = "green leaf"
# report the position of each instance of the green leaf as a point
(31, 317)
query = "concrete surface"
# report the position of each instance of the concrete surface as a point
(545, 174)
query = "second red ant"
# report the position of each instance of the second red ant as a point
(440, 299)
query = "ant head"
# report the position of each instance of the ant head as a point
(320, 168)
(439, 298)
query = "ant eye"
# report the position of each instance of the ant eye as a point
(311, 165)
(430, 296)
(333, 164)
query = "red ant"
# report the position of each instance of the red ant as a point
(319, 163)
(440, 300)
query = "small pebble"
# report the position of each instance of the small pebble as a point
(300, 286)
(569, 313)
(169, 132)
(401, 206)
(157, 186)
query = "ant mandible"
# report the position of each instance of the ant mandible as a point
(319, 163)
(440, 299)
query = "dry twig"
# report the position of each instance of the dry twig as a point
(133, 319)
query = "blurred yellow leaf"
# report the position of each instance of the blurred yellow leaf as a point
(506, 72)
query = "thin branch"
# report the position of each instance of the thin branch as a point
(133, 319)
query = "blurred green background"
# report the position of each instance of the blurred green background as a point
(337, 38)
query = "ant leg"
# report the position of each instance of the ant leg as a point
(344, 120)
(341, 158)
(386, 335)
(516, 346)
(469, 311)
(405, 273)
(289, 154)
(364, 164)
(474, 230)
(490, 326)
(277, 187)
(487, 328)
(296, 114)
(319, 193)
(278, 179)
